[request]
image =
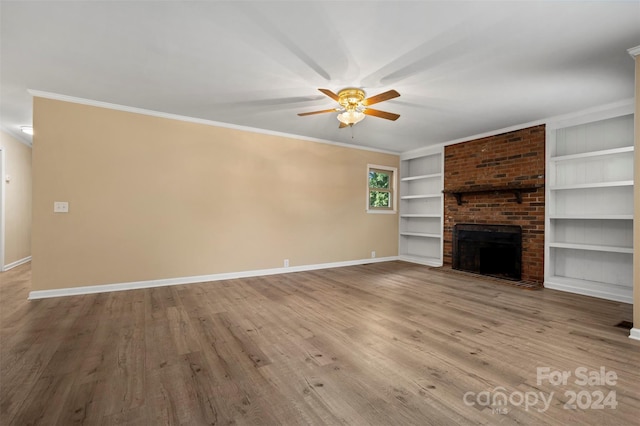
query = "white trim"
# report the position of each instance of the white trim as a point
(549, 141)
(422, 152)
(19, 136)
(634, 51)
(135, 285)
(17, 263)
(427, 261)
(3, 190)
(577, 289)
(601, 112)
(135, 110)
(496, 132)
(634, 333)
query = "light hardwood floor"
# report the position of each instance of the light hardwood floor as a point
(389, 343)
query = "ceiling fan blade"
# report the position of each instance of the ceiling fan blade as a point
(330, 94)
(381, 97)
(381, 114)
(342, 125)
(302, 114)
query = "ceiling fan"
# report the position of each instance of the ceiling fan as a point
(354, 106)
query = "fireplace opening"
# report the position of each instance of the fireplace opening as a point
(494, 250)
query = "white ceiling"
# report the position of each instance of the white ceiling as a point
(462, 68)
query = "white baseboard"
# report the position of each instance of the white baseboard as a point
(16, 263)
(427, 261)
(104, 288)
(586, 288)
(634, 334)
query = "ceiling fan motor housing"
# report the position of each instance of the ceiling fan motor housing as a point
(350, 98)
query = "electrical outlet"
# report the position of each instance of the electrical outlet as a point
(286, 263)
(373, 254)
(60, 207)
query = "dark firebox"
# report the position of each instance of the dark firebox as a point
(494, 250)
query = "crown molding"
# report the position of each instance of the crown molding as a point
(634, 51)
(418, 152)
(135, 110)
(19, 136)
(601, 112)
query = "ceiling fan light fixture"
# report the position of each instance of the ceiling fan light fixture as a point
(351, 117)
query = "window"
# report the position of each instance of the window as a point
(381, 189)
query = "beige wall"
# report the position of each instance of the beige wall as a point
(636, 217)
(153, 198)
(17, 243)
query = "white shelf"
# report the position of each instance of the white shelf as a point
(421, 206)
(431, 176)
(590, 288)
(420, 234)
(593, 216)
(592, 154)
(588, 237)
(592, 185)
(592, 247)
(415, 197)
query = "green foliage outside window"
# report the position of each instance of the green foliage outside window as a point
(378, 180)
(379, 199)
(382, 181)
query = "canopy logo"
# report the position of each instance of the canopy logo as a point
(588, 398)
(499, 400)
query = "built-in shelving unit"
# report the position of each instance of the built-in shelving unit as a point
(589, 225)
(421, 184)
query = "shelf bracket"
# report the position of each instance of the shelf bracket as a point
(458, 196)
(518, 195)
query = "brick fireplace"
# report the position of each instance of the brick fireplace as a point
(499, 180)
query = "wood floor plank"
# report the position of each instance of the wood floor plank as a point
(384, 343)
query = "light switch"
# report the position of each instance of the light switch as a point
(60, 207)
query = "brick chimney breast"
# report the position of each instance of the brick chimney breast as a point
(506, 160)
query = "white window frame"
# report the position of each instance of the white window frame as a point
(393, 189)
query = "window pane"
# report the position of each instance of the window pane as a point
(379, 179)
(379, 199)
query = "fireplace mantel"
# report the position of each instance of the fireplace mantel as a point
(516, 189)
